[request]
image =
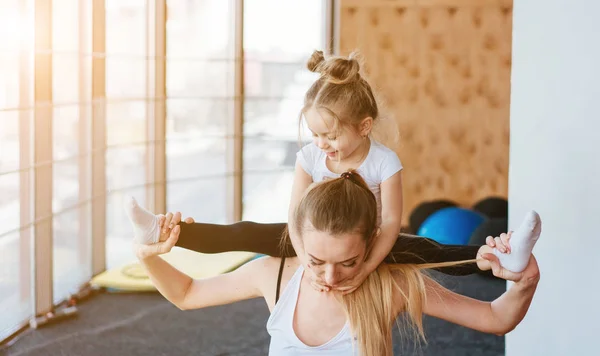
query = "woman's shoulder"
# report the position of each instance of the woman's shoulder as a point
(271, 265)
(267, 270)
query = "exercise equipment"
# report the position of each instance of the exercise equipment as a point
(490, 227)
(451, 226)
(132, 277)
(422, 211)
(492, 207)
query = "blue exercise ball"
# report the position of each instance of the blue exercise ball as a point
(451, 226)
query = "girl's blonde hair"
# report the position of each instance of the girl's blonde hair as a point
(346, 205)
(343, 91)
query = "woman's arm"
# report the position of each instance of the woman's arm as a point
(498, 317)
(184, 292)
(187, 293)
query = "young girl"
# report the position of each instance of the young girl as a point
(336, 223)
(340, 110)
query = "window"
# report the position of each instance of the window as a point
(200, 82)
(15, 111)
(276, 79)
(126, 121)
(71, 239)
(91, 91)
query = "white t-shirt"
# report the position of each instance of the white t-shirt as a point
(380, 164)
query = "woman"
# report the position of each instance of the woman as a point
(336, 235)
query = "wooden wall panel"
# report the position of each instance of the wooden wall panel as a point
(442, 68)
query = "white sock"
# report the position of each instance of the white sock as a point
(521, 243)
(145, 224)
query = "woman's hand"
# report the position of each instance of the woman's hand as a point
(352, 284)
(168, 222)
(169, 234)
(529, 276)
(143, 251)
(502, 243)
(316, 283)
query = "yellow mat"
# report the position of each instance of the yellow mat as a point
(132, 277)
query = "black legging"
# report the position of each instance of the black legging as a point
(265, 238)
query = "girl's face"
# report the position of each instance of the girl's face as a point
(333, 259)
(337, 142)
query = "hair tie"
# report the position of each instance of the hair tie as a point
(347, 175)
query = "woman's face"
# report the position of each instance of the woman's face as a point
(334, 259)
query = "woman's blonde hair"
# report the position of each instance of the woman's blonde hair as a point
(346, 205)
(343, 91)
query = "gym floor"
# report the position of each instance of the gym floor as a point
(146, 324)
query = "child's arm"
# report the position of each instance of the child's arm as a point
(391, 221)
(302, 181)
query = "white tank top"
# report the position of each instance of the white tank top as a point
(283, 338)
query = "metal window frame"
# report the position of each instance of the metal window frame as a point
(331, 15)
(85, 135)
(42, 248)
(25, 184)
(156, 92)
(235, 147)
(98, 141)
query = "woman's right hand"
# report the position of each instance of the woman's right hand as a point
(169, 234)
(143, 251)
(168, 222)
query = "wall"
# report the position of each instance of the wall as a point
(442, 68)
(554, 168)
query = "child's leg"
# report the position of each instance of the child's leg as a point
(243, 236)
(418, 250)
(264, 239)
(211, 238)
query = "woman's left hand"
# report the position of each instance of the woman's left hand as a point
(531, 273)
(353, 283)
(349, 286)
